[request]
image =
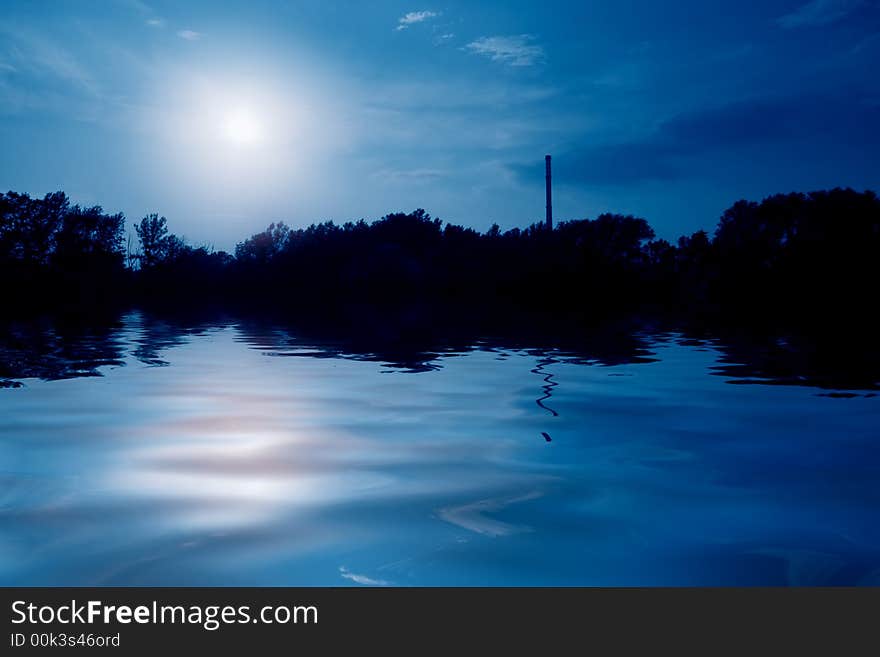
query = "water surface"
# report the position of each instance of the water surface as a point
(239, 452)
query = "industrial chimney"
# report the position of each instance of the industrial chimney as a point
(549, 201)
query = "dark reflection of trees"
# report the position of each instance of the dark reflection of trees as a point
(846, 358)
(60, 348)
(155, 336)
(155, 332)
(831, 362)
(418, 338)
(549, 384)
(401, 340)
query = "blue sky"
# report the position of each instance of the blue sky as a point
(226, 116)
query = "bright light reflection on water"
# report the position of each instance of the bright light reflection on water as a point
(234, 455)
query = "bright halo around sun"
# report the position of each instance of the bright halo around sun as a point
(228, 134)
(242, 127)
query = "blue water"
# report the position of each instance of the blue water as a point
(241, 454)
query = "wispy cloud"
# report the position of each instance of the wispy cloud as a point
(189, 35)
(518, 50)
(409, 175)
(137, 5)
(38, 74)
(146, 11)
(413, 17)
(361, 579)
(819, 12)
(40, 55)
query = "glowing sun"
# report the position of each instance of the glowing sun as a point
(242, 127)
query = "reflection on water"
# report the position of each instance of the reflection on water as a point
(144, 450)
(548, 386)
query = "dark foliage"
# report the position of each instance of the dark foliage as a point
(53, 252)
(795, 257)
(809, 254)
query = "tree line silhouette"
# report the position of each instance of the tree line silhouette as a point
(805, 257)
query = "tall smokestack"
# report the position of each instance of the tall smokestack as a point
(549, 194)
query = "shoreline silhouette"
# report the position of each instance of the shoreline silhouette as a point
(803, 261)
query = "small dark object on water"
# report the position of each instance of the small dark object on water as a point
(546, 436)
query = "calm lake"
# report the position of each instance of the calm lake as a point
(239, 452)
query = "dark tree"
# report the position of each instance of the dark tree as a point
(263, 247)
(804, 259)
(152, 232)
(88, 235)
(28, 227)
